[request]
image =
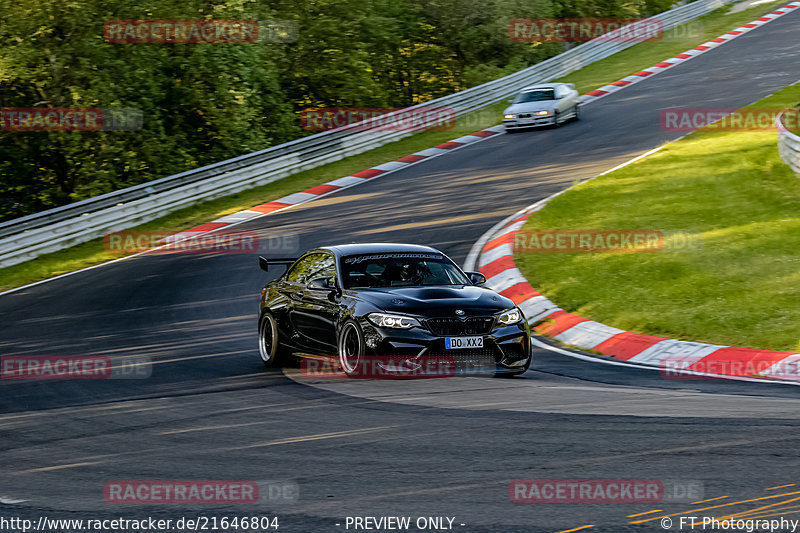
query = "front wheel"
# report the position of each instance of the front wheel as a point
(351, 347)
(577, 112)
(269, 347)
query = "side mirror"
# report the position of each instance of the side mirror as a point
(476, 278)
(320, 284)
(263, 263)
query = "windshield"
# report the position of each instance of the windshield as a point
(400, 270)
(537, 95)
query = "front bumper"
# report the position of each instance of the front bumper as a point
(529, 122)
(506, 349)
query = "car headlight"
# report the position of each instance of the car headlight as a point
(510, 316)
(543, 112)
(383, 320)
(509, 116)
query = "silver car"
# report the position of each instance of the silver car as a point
(548, 104)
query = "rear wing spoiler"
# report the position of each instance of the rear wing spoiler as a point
(264, 263)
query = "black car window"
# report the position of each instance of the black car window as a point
(400, 270)
(537, 95)
(312, 266)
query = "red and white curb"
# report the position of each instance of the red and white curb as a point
(687, 55)
(493, 255)
(352, 180)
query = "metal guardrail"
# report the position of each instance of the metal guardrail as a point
(788, 145)
(24, 238)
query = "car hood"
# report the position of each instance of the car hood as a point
(428, 300)
(527, 107)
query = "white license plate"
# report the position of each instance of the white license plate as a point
(457, 343)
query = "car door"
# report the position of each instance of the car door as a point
(312, 312)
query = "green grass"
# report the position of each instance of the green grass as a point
(586, 79)
(730, 192)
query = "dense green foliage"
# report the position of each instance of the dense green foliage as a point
(203, 103)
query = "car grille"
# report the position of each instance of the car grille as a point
(478, 325)
(469, 358)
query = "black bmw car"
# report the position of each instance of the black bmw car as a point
(403, 302)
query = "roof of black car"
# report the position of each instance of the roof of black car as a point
(378, 247)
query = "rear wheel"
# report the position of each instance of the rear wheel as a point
(351, 347)
(269, 346)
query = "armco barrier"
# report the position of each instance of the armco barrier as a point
(788, 146)
(28, 237)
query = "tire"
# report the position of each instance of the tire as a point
(272, 353)
(577, 113)
(351, 347)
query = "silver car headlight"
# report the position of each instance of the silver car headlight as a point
(383, 320)
(543, 112)
(510, 316)
(509, 116)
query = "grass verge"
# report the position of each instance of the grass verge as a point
(728, 191)
(588, 78)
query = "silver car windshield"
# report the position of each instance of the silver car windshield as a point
(537, 95)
